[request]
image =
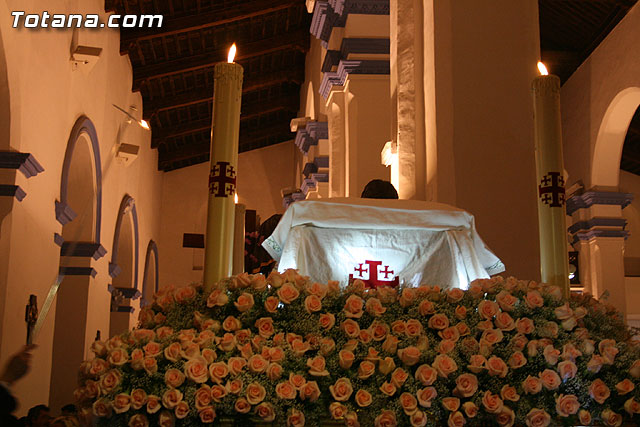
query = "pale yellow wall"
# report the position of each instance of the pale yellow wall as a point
(609, 71)
(630, 183)
(480, 59)
(261, 175)
(46, 99)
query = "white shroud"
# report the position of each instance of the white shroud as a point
(377, 240)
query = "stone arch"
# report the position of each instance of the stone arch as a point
(151, 276)
(605, 169)
(123, 267)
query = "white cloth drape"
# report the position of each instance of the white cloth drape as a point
(421, 242)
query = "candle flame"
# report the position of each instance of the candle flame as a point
(232, 53)
(236, 198)
(144, 124)
(543, 69)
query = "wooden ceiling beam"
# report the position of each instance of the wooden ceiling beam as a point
(184, 153)
(201, 21)
(294, 40)
(254, 83)
(250, 111)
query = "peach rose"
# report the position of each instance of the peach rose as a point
(102, 408)
(390, 344)
(363, 398)
(506, 301)
(153, 404)
(366, 369)
(551, 354)
(310, 391)
(456, 419)
(285, 390)
(345, 358)
(599, 391)
(100, 366)
(567, 405)
(454, 295)
(317, 367)
(236, 365)
(491, 402)
(470, 409)
(255, 393)
(166, 419)
(234, 386)
(274, 371)
(374, 307)
(202, 397)
(426, 307)
(217, 298)
(218, 392)
(610, 418)
(327, 320)
(171, 398)
(625, 386)
(257, 364)
(413, 328)
(426, 395)
(118, 357)
(173, 378)
(184, 293)
(341, 390)
(509, 393)
(218, 371)
(584, 416)
(444, 365)
(492, 336)
(533, 299)
(337, 410)
(386, 419)
(242, 406)
(634, 370)
(152, 349)
(524, 325)
(312, 304)
(451, 403)
(110, 381)
(409, 355)
(409, 403)
(487, 309)
(632, 407)
(426, 375)
(567, 369)
(231, 324)
(460, 312)
(408, 297)
(505, 322)
(353, 307)
(418, 419)
(519, 341)
(121, 403)
(196, 369)
(295, 418)
(300, 347)
(497, 367)
(595, 363)
(398, 377)
(477, 363)
(466, 385)
(517, 360)
(138, 398)
(550, 379)
(271, 304)
(138, 420)
(388, 388)
(532, 385)
(379, 330)
(350, 328)
(265, 410)
(506, 417)
(288, 293)
(563, 312)
(451, 333)
(438, 321)
(207, 414)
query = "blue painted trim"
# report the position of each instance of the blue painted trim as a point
(24, 162)
(114, 270)
(597, 222)
(338, 78)
(599, 233)
(58, 239)
(590, 198)
(12, 191)
(321, 161)
(152, 250)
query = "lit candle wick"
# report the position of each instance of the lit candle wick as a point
(232, 53)
(236, 198)
(543, 69)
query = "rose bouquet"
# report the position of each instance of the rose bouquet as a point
(290, 351)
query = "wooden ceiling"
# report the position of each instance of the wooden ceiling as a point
(173, 65)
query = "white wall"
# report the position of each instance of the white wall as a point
(47, 97)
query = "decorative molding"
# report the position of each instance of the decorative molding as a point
(308, 184)
(58, 239)
(592, 234)
(590, 198)
(369, 46)
(321, 161)
(131, 293)
(292, 197)
(114, 270)
(331, 59)
(334, 13)
(311, 134)
(83, 249)
(309, 168)
(338, 78)
(24, 162)
(64, 213)
(152, 251)
(78, 271)
(597, 222)
(320, 177)
(322, 22)
(12, 191)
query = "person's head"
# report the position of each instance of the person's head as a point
(68, 410)
(38, 416)
(65, 421)
(379, 189)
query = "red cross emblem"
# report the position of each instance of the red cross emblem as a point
(222, 180)
(551, 189)
(373, 281)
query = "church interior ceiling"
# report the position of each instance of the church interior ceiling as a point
(173, 66)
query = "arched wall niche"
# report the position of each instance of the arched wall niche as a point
(81, 198)
(605, 170)
(150, 278)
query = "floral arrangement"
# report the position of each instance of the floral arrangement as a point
(286, 350)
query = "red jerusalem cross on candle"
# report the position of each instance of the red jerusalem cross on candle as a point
(222, 180)
(551, 189)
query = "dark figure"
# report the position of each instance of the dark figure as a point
(379, 189)
(261, 260)
(16, 368)
(39, 416)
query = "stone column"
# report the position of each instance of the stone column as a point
(598, 233)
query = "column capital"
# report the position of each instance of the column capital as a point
(590, 198)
